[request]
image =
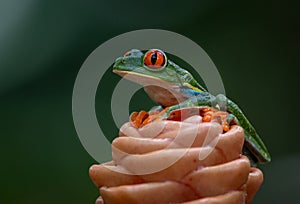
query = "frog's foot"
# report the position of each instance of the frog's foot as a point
(137, 118)
(210, 114)
(142, 118)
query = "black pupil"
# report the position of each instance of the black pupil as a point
(154, 58)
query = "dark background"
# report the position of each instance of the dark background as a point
(44, 43)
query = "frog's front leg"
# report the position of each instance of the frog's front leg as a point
(203, 99)
(156, 109)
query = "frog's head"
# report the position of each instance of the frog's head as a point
(152, 68)
(152, 65)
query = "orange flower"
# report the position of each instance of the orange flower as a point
(190, 161)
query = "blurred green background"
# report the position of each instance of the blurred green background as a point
(254, 44)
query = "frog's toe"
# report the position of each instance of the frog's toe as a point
(137, 118)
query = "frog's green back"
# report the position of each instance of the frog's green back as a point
(186, 77)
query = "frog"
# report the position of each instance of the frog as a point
(173, 87)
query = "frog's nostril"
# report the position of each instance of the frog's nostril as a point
(119, 59)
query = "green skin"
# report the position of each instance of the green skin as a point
(189, 93)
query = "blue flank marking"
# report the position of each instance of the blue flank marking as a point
(188, 91)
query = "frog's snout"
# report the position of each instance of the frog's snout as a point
(118, 59)
(118, 62)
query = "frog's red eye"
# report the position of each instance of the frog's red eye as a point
(154, 59)
(127, 53)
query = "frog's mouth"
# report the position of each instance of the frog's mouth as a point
(162, 92)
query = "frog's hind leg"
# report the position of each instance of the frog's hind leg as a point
(232, 120)
(252, 140)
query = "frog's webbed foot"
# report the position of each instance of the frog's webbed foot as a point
(142, 118)
(137, 119)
